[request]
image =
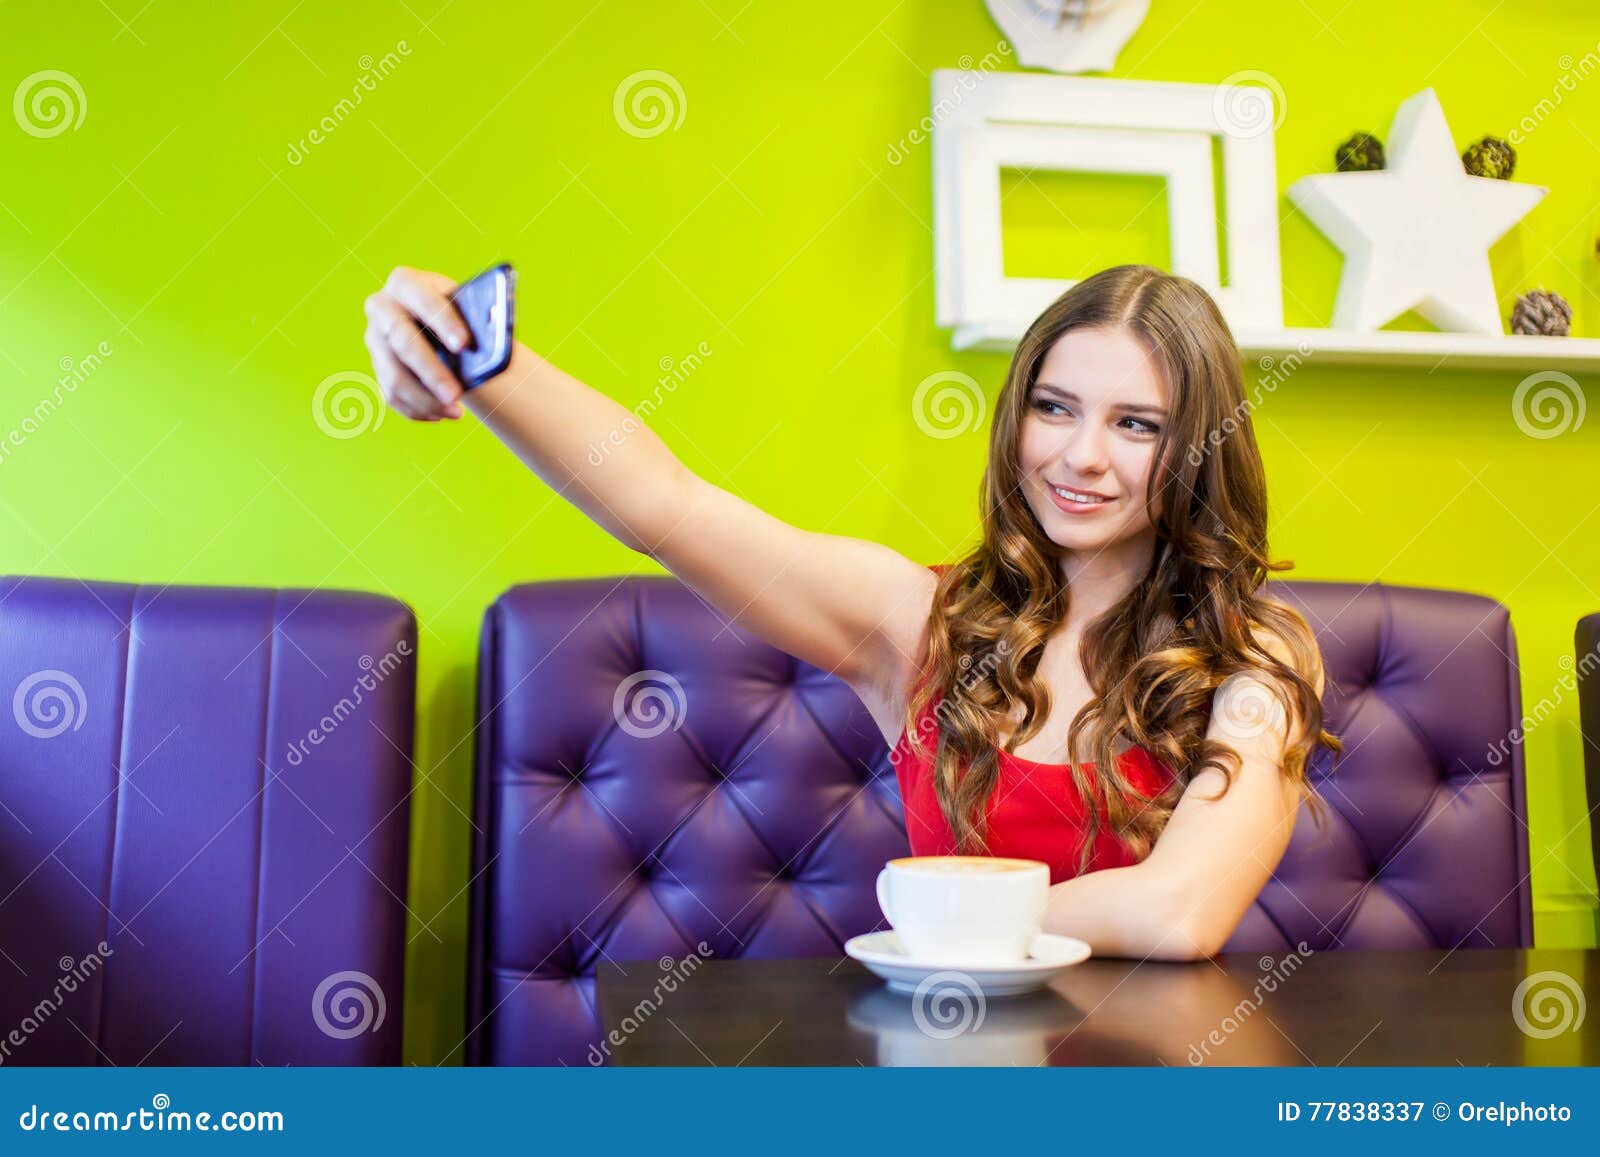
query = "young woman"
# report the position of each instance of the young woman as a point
(1111, 609)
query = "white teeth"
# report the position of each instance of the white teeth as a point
(1073, 496)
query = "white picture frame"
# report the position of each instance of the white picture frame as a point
(984, 122)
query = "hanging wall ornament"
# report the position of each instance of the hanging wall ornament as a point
(1068, 35)
(1416, 235)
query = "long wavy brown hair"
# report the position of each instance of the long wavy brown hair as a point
(1153, 661)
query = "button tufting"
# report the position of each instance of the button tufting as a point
(1425, 860)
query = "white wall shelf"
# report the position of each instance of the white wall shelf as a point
(1370, 348)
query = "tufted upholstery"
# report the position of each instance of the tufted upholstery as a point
(1428, 843)
(1586, 646)
(158, 793)
(758, 822)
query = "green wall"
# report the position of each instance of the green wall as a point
(190, 225)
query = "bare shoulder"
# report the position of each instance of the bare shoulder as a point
(1247, 701)
(1309, 667)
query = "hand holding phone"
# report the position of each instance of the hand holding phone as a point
(486, 303)
(425, 380)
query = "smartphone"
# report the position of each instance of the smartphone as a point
(485, 304)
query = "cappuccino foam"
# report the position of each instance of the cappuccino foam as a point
(963, 864)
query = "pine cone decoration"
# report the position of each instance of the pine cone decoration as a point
(1542, 311)
(1490, 157)
(1359, 154)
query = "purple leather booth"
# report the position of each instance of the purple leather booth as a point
(214, 784)
(1586, 647)
(750, 800)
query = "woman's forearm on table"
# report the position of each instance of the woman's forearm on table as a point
(1122, 912)
(597, 455)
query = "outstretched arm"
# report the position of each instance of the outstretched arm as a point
(852, 607)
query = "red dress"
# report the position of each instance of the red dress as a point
(1035, 812)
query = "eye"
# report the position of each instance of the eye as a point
(1143, 426)
(1047, 406)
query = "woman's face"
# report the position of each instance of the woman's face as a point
(1090, 428)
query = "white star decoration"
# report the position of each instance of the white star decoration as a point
(1416, 235)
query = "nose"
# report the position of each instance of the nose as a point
(1087, 452)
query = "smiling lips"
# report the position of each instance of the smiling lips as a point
(1077, 501)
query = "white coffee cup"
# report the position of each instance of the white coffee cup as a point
(964, 909)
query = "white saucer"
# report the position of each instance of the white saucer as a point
(1048, 956)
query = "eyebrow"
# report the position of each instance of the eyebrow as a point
(1124, 406)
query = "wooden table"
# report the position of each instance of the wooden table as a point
(1433, 1007)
